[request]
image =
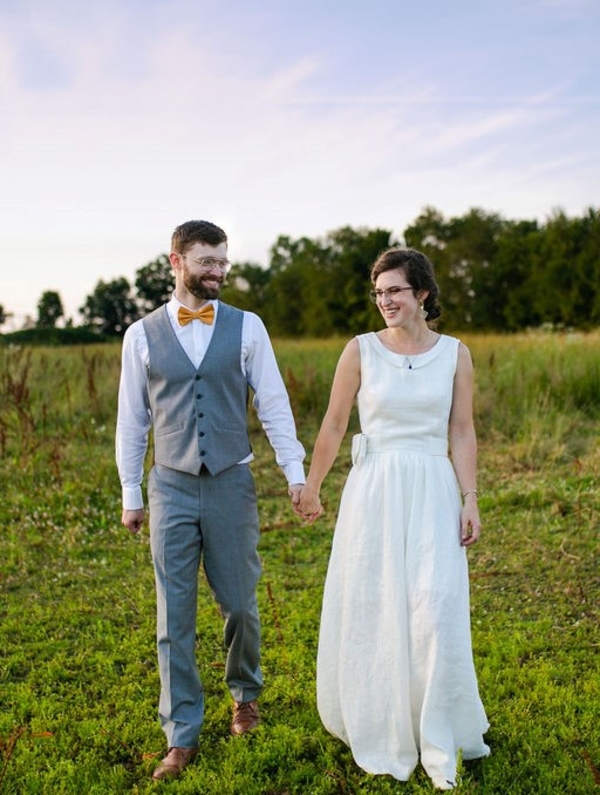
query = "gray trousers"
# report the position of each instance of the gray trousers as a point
(214, 519)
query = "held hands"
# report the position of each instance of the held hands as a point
(306, 502)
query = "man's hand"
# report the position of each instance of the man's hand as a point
(133, 520)
(295, 490)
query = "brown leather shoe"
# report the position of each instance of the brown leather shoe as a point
(245, 716)
(174, 762)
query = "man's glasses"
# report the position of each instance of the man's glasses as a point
(208, 263)
(377, 296)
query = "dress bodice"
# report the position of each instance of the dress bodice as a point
(405, 401)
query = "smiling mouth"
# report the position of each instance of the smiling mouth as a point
(212, 284)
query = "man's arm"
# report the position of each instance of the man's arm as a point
(133, 425)
(271, 401)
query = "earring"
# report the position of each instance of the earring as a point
(423, 311)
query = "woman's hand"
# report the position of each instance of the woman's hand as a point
(470, 524)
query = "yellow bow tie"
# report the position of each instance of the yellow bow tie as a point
(206, 315)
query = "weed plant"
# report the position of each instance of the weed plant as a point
(78, 677)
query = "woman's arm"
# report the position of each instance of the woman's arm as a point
(463, 445)
(346, 383)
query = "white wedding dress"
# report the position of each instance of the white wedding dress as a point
(395, 674)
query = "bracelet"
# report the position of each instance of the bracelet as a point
(470, 491)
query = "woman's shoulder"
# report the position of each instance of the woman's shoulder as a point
(456, 349)
(364, 339)
(448, 341)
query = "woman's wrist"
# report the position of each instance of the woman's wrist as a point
(312, 486)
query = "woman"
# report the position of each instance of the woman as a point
(395, 674)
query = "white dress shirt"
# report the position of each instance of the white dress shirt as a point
(258, 364)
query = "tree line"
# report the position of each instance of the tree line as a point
(494, 274)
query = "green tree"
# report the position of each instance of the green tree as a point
(246, 286)
(319, 287)
(567, 270)
(50, 309)
(514, 286)
(304, 287)
(154, 284)
(354, 251)
(462, 251)
(428, 233)
(283, 309)
(589, 260)
(471, 251)
(110, 309)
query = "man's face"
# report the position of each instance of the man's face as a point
(197, 274)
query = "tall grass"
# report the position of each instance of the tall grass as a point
(78, 680)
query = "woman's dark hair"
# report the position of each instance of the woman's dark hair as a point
(418, 271)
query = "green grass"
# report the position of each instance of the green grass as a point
(78, 678)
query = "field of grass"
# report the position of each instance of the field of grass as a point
(78, 678)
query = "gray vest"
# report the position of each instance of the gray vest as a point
(199, 416)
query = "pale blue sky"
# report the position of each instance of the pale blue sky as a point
(119, 120)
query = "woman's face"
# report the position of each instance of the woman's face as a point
(395, 298)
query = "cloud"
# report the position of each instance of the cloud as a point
(119, 121)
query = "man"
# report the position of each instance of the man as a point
(186, 372)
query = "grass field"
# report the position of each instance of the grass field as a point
(78, 678)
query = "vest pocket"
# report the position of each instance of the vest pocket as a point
(165, 430)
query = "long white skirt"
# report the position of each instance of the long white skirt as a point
(395, 673)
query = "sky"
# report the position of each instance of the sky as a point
(120, 119)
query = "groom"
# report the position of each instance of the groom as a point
(187, 369)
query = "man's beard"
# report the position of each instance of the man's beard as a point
(195, 284)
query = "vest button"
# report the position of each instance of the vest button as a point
(202, 452)
(198, 396)
(198, 377)
(201, 415)
(201, 433)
